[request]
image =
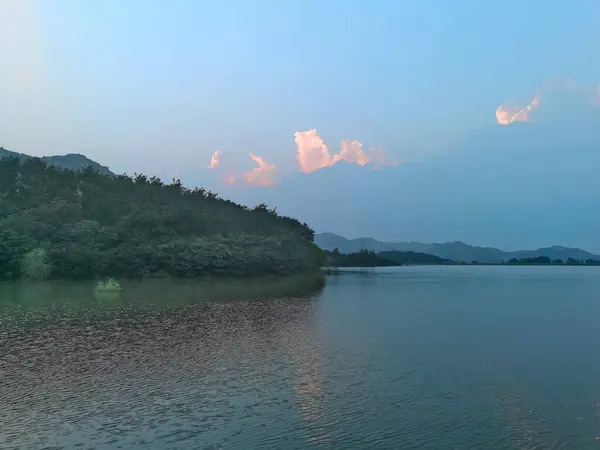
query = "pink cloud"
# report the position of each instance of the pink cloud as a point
(313, 154)
(263, 175)
(214, 160)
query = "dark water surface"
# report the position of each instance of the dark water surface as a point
(395, 358)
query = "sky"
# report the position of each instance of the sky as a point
(278, 91)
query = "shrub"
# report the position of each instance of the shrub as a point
(34, 264)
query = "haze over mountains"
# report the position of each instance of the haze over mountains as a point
(455, 251)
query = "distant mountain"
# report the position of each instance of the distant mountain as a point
(72, 161)
(455, 251)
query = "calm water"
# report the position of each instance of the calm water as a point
(398, 358)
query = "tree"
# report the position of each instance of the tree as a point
(82, 224)
(34, 264)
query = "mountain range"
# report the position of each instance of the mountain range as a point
(73, 161)
(455, 251)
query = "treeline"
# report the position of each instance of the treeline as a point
(368, 258)
(82, 224)
(363, 258)
(544, 260)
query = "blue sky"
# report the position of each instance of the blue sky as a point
(156, 86)
(198, 76)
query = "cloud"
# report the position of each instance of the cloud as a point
(352, 152)
(507, 114)
(227, 165)
(214, 160)
(380, 159)
(263, 175)
(558, 98)
(313, 153)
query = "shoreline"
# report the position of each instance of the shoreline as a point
(334, 268)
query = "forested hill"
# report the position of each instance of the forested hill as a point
(73, 161)
(82, 224)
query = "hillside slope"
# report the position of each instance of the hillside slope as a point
(73, 161)
(81, 224)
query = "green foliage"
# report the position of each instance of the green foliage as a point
(536, 261)
(366, 258)
(34, 264)
(544, 260)
(91, 226)
(363, 258)
(409, 257)
(108, 286)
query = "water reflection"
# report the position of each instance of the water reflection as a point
(309, 387)
(159, 376)
(428, 358)
(107, 299)
(515, 413)
(34, 304)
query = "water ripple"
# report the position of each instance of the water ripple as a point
(352, 369)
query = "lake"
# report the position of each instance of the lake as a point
(394, 358)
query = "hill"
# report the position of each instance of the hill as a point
(82, 224)
(455, 251)
(73, 161)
